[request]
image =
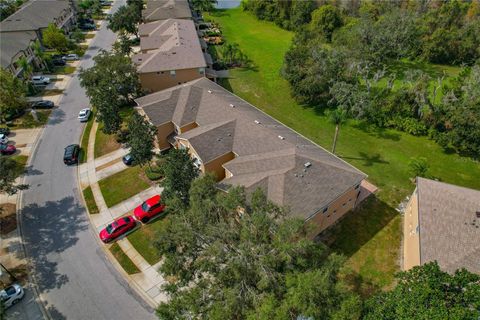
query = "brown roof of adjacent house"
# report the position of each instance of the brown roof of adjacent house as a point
(170, 44)
(291, 169)
(166, 9)
(34, 15)
(448, 225)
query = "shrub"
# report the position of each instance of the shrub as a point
(154, 173)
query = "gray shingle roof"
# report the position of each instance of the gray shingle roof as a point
(166, 9)
(227, 123)
(34, 15)
(11, 43)
(171, 44)
(449, 229)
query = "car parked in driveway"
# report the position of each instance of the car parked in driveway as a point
(127, 159)
(7, 149)
(87, 26)
(5, 130)
(84, 114)
(70, 57)
(149, 209)
(70, 156)
(117, 228)
(11, 295)
(43, 104)
(3, 138)
(40, 80)
(58, 62)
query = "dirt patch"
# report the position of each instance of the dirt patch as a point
(108, 164)
(8, 218)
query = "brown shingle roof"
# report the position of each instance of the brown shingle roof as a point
(448, 227)
(227, 123)
(171, 44)
(166, 9)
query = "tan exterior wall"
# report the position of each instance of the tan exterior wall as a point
(156, 81)
(162, 132)
(188, 127)
(411, 238)
(215, 166)
(336, 209)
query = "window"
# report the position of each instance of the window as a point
(325, 210)
(172, 73)
(201, 70)
(357, 186)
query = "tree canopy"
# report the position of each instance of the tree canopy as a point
(126, 19)
(12, 95)
(54, 38)
(140, 140)
(10, 170)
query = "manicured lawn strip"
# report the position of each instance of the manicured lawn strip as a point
(89, 35)
(143, 240)
(123, 259)
(383, 154)
(123, 185)
(85, 137)
(21, 163)
(106, 143)
(90, 200)
(66, 69)
(27, 121)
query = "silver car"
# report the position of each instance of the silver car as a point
(70, 57)
(40, 80)
(84, 114)
(12, 294)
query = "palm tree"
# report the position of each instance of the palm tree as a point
(337, 117)
(39, 53)
(27, 68)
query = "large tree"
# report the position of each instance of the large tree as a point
(110, 84)
(141, 135)
(426, 292)
(9, 171)
(126, 19)
(179, 173)
(227, 259)
(54, 38)
(325, 20)
(12, 94)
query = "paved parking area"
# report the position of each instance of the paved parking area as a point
(24, 139)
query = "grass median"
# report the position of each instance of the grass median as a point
(85, 137)
(370, 237)
(123, 185)
(123, 259)
(90, 200)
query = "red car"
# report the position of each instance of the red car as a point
(148, 209)
(7, 149)
(117, 228)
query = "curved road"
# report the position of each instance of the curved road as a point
(72, 273)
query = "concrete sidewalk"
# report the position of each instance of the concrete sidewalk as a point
(149, 281)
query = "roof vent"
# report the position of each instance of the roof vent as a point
(307, 164)
(257, 122)
(232, 105)
(281, 137)
(209, 91)
(478, 214)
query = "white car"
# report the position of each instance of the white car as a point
(40, 80)
(70, 57)
(12, 294)
(84, 114)
(3, 138)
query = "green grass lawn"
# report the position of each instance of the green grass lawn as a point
(371, 236)
(85, 136)
(27, 122)
(123, 185)
(123, 259)
(21, 163)
(106, 143)
(66, 69)
(143, 240)
(90, 200)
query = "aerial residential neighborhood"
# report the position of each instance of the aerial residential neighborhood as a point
(226, 159)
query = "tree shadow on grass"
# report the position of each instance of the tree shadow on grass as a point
(48, 230)
(220, 13)
(377, 132)
(368, 159)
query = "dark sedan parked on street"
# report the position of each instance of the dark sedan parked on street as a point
(43, 104)
(71, 154)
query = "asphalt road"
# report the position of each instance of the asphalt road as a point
(72, 273)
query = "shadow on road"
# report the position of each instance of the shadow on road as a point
(49, 230)
(56, 117)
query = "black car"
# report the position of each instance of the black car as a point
(128, 159)
(43, 104)
(87, 26)
(86, 20)
(58, 62)
(71, 154)
(5, 130)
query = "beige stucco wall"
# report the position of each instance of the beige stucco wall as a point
(215, 166)
(162, 133)
(411, 238)
(336, 210)
(156, 81)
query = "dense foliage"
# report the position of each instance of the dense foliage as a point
(110, 84)
(8, 7)
(12, 95)
(227, 259)
(126, 19)
(428, 293)
(54, 38)
(369, 61)
(10, 170)
(140, 140)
